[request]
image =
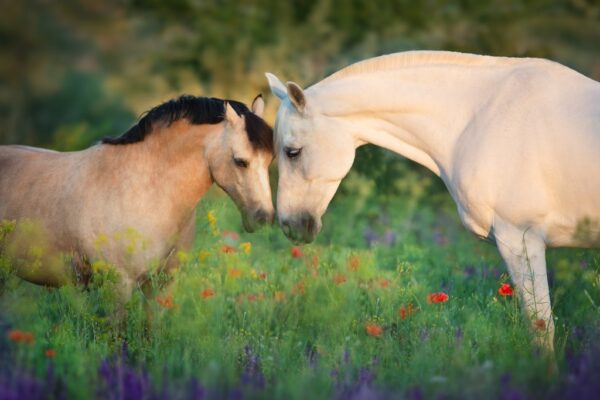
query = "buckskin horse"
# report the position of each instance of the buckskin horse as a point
(130, 201)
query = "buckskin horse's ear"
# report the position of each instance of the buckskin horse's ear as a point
(258, 105)
(296, 95)
(230, 115)
(277, 88)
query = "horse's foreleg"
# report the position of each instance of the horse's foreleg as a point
(170, 264)
(524, 254)
(123, 292)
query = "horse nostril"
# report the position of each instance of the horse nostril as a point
(309, 223)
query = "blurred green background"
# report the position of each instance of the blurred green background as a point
(73, 71)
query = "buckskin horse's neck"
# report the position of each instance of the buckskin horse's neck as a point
(416, 111)
(167, 168)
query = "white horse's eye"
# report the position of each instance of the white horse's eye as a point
(240, 162)
(292, 153)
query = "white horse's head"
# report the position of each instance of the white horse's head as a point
(314, 152)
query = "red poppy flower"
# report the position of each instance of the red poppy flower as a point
(166, 301)
(299, 288)
(384, 283)
(315, 261)
(296, 252)
(540, 324)
(439, 297)
(339, 279)
(18, 336)
(354, 263)
(404, 312)
(50, 353)
(373, 329)
(505, 290)
(227, 249)
(207, 293)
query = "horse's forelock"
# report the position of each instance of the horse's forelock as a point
(259, 132)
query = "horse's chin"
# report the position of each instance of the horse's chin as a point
(303, 240)
(300, 237)
(249, 226)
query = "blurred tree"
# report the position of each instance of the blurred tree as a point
(51, 71)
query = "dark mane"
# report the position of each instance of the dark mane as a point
(197, 110)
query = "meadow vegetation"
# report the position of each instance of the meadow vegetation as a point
(395, 299)
(350, 316)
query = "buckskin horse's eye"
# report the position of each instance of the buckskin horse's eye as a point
(292, 153)
(240, 162)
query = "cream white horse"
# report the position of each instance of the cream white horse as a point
(515, 140)
(130, 202)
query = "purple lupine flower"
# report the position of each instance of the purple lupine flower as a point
(252, 374)
(370, 237)
(581, 381)
(469, 271)
(458, 335)
(123, 382)
(415, 393)
(440, 239)
(134, 385)
(53, 385)
(389, 237)
(423, 334)
(365, 377)
(235, 394)
(197, 391)
(21, 385)
(507, 392)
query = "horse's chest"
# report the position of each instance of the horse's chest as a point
(474, 210)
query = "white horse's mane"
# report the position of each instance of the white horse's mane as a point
(419, 57)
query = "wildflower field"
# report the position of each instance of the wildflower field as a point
(390, 302)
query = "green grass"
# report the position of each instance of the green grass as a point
(304, 318)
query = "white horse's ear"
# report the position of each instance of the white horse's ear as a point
(230, 115)
(258, 105)
(296, 95)
(277, 88)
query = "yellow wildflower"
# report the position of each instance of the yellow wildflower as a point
(203, 255)
(212, 222)
(182, 257)
(100, 265)
(246, 247)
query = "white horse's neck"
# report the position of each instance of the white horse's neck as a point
(416, 107)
